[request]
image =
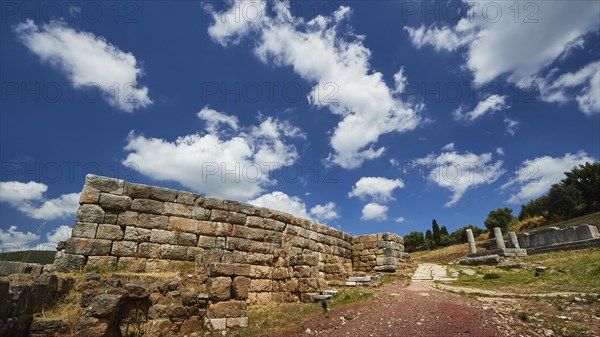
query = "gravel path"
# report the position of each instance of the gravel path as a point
(413, 311)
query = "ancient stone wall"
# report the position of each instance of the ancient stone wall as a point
(378, 252)
(554, 238)
(144, 228)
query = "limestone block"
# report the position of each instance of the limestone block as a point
(132, 264)
(183, 224)
(219, 215)
(89, 195)
(84, 230)
(68, 262)
(308, 285)
(137, 234)
(124, 248)
(127, 218)
(228, 309)
(237, 244)
(570, 234)
(240, 287)
(280, 273)
(185, 239)
(207, 242)
(260, 272)
(109, 232)
(227, 205)
(111, 217)
(81, 246)
(90, 213)
(105, 184)
(236, 218)
(114, 202)
(174, 252)
(221, 269)
(137, 191)
(585, 232)
(103, 262)
(149, 250)
(242, 269)
(260, 285)
(219, 289)
(180, 210)
(152, 221)
(162, 236)
(147, 206)
(163, 194)
(189, 198)
(216, 324)
(237, 322)
(201, 213)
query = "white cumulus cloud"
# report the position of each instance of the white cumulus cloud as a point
(15, 240)
(374, 211)
(491, 104)
(378, 188)
(325, 212)
(29, 198)
(535, 176)
(87, 60)
(237, 166)
(459, 172)
(335, 61)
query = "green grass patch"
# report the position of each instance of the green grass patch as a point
(282, 318)
(568, 271)
(29, 256)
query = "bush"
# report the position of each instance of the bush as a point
(491, 276)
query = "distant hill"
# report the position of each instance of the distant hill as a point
(29, 256)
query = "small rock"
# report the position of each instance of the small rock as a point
(548, 332)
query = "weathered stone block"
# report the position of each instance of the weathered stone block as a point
(149, 250)
(114, 202)
(137, 191)
(229, 309)
(162, 236)
(207, 242)
(156, 266)
(107, 263)
(260, 285)
(90, 213)
(189, 198)
(137, 234)
(221, 269)
(84, 230)
(308, 285)
(219, 289)
(240, 287)
(132, 264)
(237, 322)
(180, 210)
(201, 213)
(105, 184)
(216, 324)
(237, 218)
(174, 252)
(163, 194)
(80, 246)
(147, 206)
(109, 232)
(280, 273)
(152, 221)
(89, 195)
(111, 217)
(124, 248)
(260, 272)
(68, 262)
(127, 218)
(186, 239)
(183, 224)
(219, 215)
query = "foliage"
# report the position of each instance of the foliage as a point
(29, 256)
(460, 235)
(414, 241)
(435, 229)
(502, 217)
(576, 195)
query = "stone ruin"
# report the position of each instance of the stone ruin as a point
(541, 241)
(237, 254)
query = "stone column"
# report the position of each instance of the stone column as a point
(472, 247)
(512, 237)
(499, 238)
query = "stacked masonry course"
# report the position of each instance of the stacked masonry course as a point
(248, 254)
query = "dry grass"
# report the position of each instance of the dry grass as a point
(529, 224)
(441, 255)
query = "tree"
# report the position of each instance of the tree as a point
(502, 217)
(429, 235)
(414, 241)
(562, 201)
(536, 207)
(437, 236)
(460, 235)
(586, 179)
(444, 231)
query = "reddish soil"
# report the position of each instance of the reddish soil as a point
(412, 311)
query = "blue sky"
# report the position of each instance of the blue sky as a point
(370, 116)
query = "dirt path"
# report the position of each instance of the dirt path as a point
(413, 311)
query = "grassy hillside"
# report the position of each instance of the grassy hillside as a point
(590, 219)
(30, 256)
(567, 271)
